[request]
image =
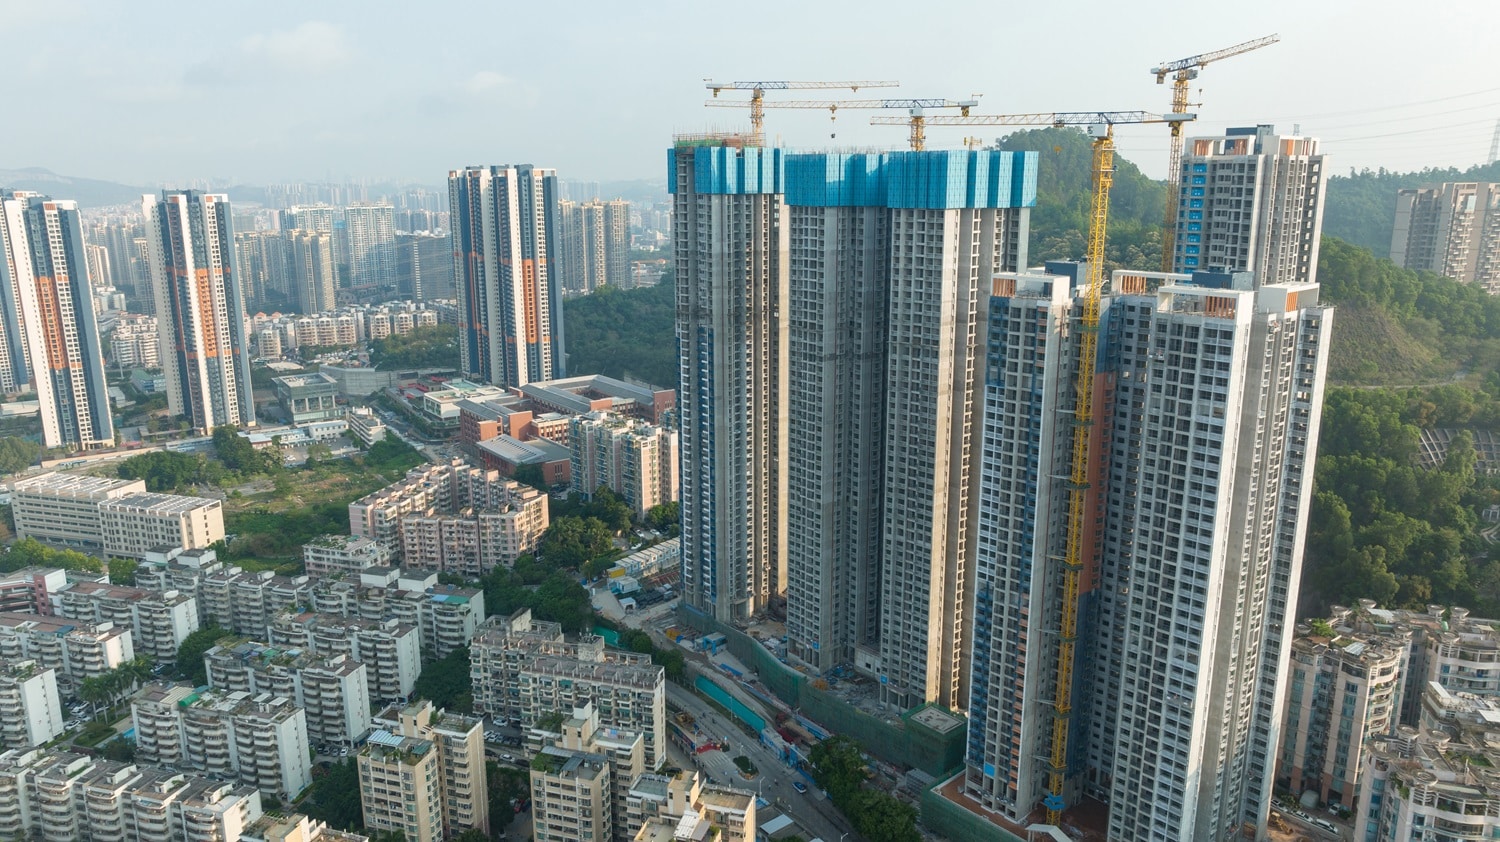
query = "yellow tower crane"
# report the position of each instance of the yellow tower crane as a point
(758, 93)
(916, 107)
(1183, 71)
(1100, 126)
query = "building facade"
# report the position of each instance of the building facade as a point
(891, 257)
(160, 620)
(1342, 689)
(49, 339)
(56, 796)
(728, 218)
(1252, 201)
(1208, 397)
(312, 279)
(635, 460)
(333, 692)
(526, 669)
(371, 232)
(139, 523)
(201, 307)
(76, 650)
(31, 712)
(390, 649)
(595, 246)
(63, 509)
(505, 233)
(1452, 229)
(423, 773)
(260, 740)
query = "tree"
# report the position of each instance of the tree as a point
(838, 767)
(665, 517)
(17, 454)
(433, 346)
(570, 541)
(473, 834)
(506, 784)
(190, 654)
(122, 571)
(530, 475)
(446, 682)
(624, 333)
(239, 455)
(335, 797)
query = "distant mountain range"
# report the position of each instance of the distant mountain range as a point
(88, 192)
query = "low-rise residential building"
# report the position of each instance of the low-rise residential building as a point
(245, 602)
(571, 796)
(398, 786)
(471, 543)
(365, 425)
(134, 525)
(1439, 784)
(56, 796)
(295, 828)
(76, 650)
(390, 650)
(447, 616)
(338, 555)
(134, 342)
(333, 692)
(634, 459)
(664, 800)
(458, 742)
(63, 509)
(161, 620)
(31, 590)
(30, 708)
(447, 489)
(1343, 687)
(259, 740)
(625, 750)
(527, 669)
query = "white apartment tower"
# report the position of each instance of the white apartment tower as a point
(371, 231)
(1251, 200)
(48, 336)
(505, 222)
(728, 223)
(204, 348)
(312, 275)
(1209, 392)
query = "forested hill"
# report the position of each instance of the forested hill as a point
(1060, 220)
(1361, 207)
(625, 333)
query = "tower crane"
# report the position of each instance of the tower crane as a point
(916, 107)
(1182, 71)
(758, 92)
(1100, 127)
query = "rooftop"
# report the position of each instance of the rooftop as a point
(72, 484)
(569, 764)
(158, 503)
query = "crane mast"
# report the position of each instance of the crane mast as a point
(1182, 72)
(1077, 550)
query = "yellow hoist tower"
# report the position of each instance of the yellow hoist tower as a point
(758, 93)
(1100, 127)
(1183, 71)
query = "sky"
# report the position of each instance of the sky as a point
(152, 93)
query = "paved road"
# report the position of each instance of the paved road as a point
(817, 816)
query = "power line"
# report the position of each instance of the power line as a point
(1390, 107)
(1363, 138)
(1414, 117)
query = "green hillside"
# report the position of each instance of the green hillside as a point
(1361, 207)
(1059, 223)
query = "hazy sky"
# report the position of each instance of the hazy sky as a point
(242, 92)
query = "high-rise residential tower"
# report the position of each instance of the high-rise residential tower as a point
(505, 223)
(49, 339)
(1452, 229)
(1208, 397)
(1251, 201)
(311, 277)
(728, 224)
(200, 308)
(890, 262)
(371, 233)
(595, 245)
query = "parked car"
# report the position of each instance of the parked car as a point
(800, 787)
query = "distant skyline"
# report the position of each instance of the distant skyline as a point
(282, 92)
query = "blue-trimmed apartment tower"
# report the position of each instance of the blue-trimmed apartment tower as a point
(200, 308)
(1251, 200)
(891, 259)
(48, 334)
(730, 248)
(505, 241)
(1209, 391)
